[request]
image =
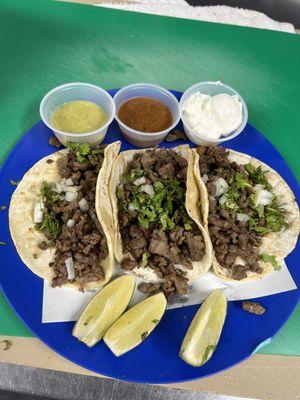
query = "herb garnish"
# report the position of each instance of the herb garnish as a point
(155, 321)
(82, 150)
(14, 183)
(50, 223)
(209, 350)
(144, 335)
(271, 259)
(166, 207)
(3, 243)
(145, 257)
(2, 208)
(257, 176)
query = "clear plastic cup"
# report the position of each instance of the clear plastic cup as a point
(143, 139)
(78, 91)
(211, 88)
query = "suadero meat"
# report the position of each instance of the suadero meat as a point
(253, 307)
(231, 239)
(85, 241)
(163, 249)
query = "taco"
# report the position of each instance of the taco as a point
(60, 217)
(158, 234)
(250, 211)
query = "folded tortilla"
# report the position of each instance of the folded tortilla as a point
(191, 203)
(279, 244)
(22, 227)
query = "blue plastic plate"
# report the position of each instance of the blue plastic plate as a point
(156, 359)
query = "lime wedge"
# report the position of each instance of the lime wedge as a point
(205, 330)
(104, 309)
(135, 325)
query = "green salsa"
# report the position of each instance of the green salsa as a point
(78, 116)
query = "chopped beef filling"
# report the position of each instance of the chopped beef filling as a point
(53, 141)
(237, 219)
(71, 224)
(175, 135)
(155, 228)
(253, 307)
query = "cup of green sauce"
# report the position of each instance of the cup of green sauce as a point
(78, 112)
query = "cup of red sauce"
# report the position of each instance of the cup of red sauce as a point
(146, 113)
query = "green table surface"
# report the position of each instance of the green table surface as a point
(44, 44)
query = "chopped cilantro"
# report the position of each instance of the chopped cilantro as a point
(208, 351)
(14, 183)
(257, 176)
(48, 195)
(50, 224)
(3, 243)
(166, 207)
(155, 321)
(241, 181)
(81, 150)
(271, 259)
(145, 257)
(187, 226)
(144, 335)
(2, 208)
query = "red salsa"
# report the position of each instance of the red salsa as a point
(145, 114)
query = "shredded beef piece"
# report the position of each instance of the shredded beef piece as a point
(53, 141)
(166, 171)
(176, 235)
(195, 245)
(174, 284)
(253, 307)
(239, 272)
(159, 243)
(175, 135)
(128, 264)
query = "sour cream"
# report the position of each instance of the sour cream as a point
(212, 116)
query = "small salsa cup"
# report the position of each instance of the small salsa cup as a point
(72, 92)
(144, 139)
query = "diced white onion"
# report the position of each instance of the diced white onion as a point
(221, 186)
(71, 196)
(204, 178)
(57, 188)
(263, 197)
(69, 182)
(258, 187)
(72, 189)
(70, 223)
(70, 268)
(223, 199)
(38, 212)
(140, 181)
(83, 204)
(148, 189)
(242, 217)
(131, 207)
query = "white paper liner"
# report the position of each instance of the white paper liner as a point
(61, 305)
